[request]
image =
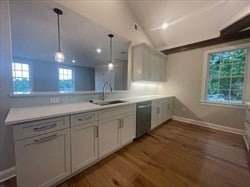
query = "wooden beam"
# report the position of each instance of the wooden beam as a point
(209, 42)
(237, 26)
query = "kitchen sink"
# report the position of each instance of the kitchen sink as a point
(103, 103)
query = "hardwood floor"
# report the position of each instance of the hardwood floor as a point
(175, 154)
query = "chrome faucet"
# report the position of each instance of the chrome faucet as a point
(103, 90)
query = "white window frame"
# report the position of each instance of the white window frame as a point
(30, 76)
(73, 78)
(246, 88)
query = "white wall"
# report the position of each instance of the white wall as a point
(184, 74)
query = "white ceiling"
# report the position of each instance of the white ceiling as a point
(189, 21)
(34, 35)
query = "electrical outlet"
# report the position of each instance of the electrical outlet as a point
(54, 100)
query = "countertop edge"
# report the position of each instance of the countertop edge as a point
(97, 108)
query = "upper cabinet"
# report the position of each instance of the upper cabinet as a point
(148, 64)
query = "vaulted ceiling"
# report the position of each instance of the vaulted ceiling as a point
(187, 21)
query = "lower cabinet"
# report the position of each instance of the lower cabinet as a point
(43, 160)
(116, 128)
(127, 129)
(108, 136)
(84, 145)
(162, 110)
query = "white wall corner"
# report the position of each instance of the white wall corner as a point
(209, 125)
(7, 174)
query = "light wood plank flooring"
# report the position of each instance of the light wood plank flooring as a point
(175, 154)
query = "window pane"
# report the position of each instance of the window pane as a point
(214, 59)
(236, 96)
(26, 74)
(224, 83)
(226, 58)
(238, 69)
(214, 71)
(237, 83)
(18, 74)
(25, 67)
(18, 66)
(225, 70)
(65, 80)
(239, 55)
(223, 95)
(213, 84)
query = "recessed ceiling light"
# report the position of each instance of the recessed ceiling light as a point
(73, 61)
(164, 26)
(98, 50)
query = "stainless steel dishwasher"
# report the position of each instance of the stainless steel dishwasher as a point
(143, 118)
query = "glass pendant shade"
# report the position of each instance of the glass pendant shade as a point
(110, 66)
(59, 57)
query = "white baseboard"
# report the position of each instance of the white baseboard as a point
(209, 125)
(7, 174)
(247, 146)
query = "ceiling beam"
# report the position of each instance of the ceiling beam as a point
(237, 26)
(231, 33)
(209, 42)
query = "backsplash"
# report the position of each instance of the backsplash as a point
(137, 89)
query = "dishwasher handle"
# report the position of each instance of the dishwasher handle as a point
(144, 106)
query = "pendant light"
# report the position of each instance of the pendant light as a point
(111, 65)
(59, 57)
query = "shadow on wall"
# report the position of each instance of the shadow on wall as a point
(181, 110)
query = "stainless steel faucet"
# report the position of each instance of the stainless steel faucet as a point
(103, 90)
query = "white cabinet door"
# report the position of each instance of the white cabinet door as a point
(170, 109)
(146, 63)
(84, 145)
(127, 130)
(154, 120)
(108, 136)
(43, 160)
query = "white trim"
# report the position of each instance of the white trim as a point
(226, 105)
(7, 174)
(209, 125)
(245, 140)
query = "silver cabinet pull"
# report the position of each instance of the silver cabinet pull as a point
(44, 139)
(144, 106)
(44, 127)
(85, 118)
(119, 123)
(96, 132)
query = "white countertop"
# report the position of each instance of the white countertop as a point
(21, 115)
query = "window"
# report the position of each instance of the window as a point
(21, 78)
(65, 80)
(226, 76)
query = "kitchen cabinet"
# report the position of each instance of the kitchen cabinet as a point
(148, 64)
(162, 110)
(84, 145)
(117, 128)
(43, 160)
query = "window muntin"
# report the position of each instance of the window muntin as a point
(65, 80)
(226, 76)
(21, 78)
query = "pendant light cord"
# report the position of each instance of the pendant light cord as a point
(59, 34)
(110, 50)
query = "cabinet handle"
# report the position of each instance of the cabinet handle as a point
(144, 106)
(96, 132)
(158, 110)
(120, 124)
(44, 139)
(85, 118)
(45, 127)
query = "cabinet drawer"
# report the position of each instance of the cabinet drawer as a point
(82, 118)
(35, 128)
(112, 113)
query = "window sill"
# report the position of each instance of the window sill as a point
(227, 105)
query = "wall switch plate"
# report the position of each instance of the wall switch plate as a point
(54, 100)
